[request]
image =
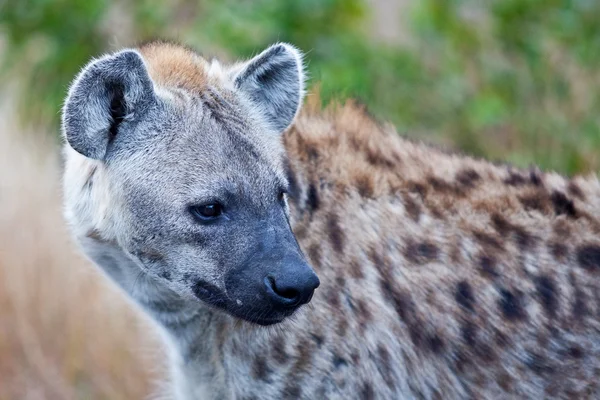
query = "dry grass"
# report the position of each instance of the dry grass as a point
(65, 331)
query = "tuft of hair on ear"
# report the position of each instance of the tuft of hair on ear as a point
(274, 82)
(104, 94)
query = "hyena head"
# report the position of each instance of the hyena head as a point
(187, 175)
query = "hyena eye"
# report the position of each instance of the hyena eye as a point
(207, 212)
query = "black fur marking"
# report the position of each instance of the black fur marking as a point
(337, 236)
(292, 390)
(535, 178)
(469, 333)
(420, 253)
(339, 361)
(488, 267)
(547, 292)
(515, 179)
(576, 351)
(318, 339)
(524, 239)
(588, 257)
(468, 178)
(293, 190)
(278, 349)
(260, 369)
(165, 275)
(563, 205)
(367, 392)
(464, 295)
(511, 305)
(435, 344)
(313, 197)
(539, 364)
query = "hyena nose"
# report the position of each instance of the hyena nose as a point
(293, 287)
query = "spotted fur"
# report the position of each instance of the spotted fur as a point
(442, 276)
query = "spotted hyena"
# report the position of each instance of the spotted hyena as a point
(195, 187)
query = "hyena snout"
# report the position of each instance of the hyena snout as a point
(292, 286)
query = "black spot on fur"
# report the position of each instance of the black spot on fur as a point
(318, 339)
(342, 327)
(278, 350)
(588, 257)
(363, 313)
(502, 226)
(440, 185)
(355, 269)
(333, 299)
(580, 308)
(339, 361)
(376, 159)
(314, 254)
(464, 295)
(312, 152)
(292, 390)
(511, 305)
(435, 344)
(293, 190)
(525, 241)
(515, 179)
(558, 250)
(539, 364)
(304, 353)
(488, 267)
(576, 352)
(469, 333)
(488, 241)
(548, 295)
(337, 236)
(417, 187)
(486, 353)
(535, 177)
(468, 178)
(399, 300)
(421, 253)
(260, 369)
(313, 197)
(367, 392)
(166, 275)
(563, 205)
(536, 201)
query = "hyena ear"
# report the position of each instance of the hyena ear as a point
(107, 92)
(274, 82)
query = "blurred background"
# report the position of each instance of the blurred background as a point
(512, 80)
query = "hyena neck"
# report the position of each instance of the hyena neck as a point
(191, 331)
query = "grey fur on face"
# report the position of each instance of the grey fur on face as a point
(167, 155)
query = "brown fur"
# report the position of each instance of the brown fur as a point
(488, 273)
(174, 66)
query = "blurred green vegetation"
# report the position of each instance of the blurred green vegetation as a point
(506, 79)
